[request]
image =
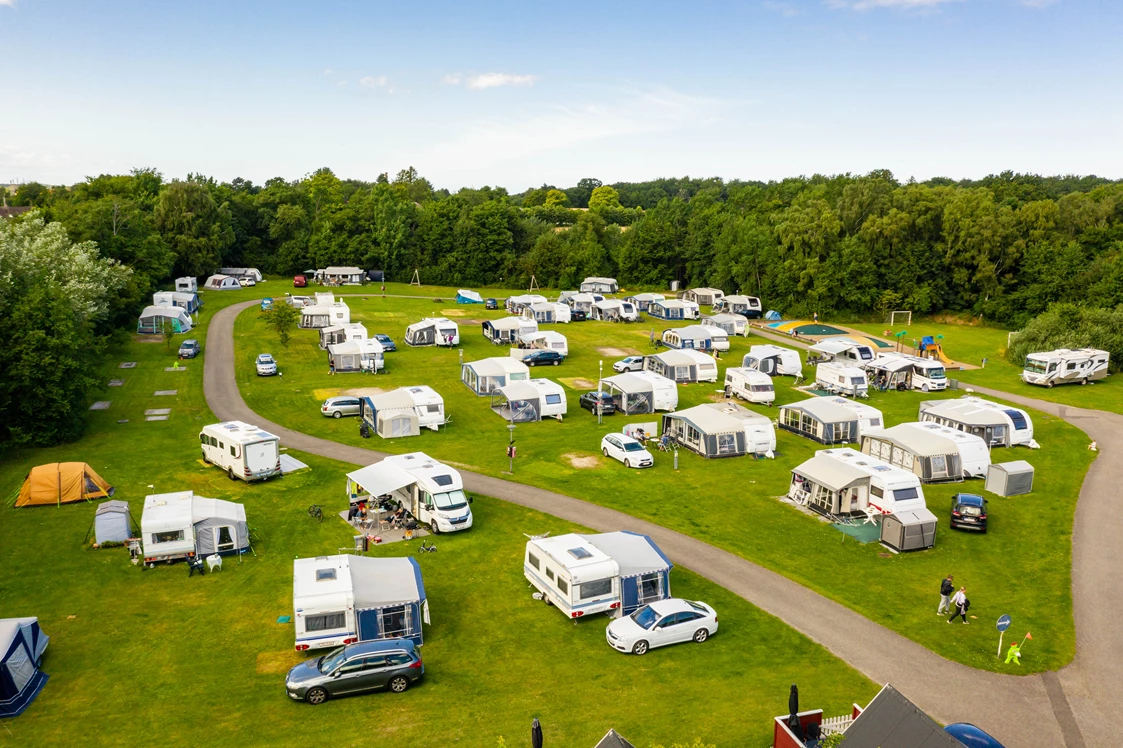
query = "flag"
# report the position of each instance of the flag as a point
(1028, 635)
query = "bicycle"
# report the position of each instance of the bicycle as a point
(316, 512)
(426, 547)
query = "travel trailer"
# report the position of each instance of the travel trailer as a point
(639, 392)
(704, 296)
(721, 430)
(897, 371)
(667, 309)
(829, 420)
(182, 525)
(404, 411)
(582, 302)
(842, 379)
(694, 337)
(487, 375)
(186, 284)
(245, 452)
(320, 315)
(750, 385)
(643, 300)
(614, 310)
(252, 273)
(974, 453)
(846, 482)
(430, 491)
(773, 360)
(842, 350)
(187, 301)
(582, 575)
(508, 330)
(154, 318)
(533, 400)
(437, 331)
(732, 324)
(931, 457)
(1065, 366)
(545, 340)
(341, 276)
(599, 285)
(683, 366)
(357, 355)
(746, 306)
(547, 313)
(516, 304)
(998, 425)
(222, 283)
(342, 334)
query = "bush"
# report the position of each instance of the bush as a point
(1071, 326)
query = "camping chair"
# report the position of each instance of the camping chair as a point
(195, 565)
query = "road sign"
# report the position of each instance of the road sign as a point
(1003, 623)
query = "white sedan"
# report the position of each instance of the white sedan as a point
(662, 623)
(266, 365)
(631, 363)
(627, 450)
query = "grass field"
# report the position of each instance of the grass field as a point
(201, 660)
(1021, 567)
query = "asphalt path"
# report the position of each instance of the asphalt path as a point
(1073, 707)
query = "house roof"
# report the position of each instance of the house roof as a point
(892, 721)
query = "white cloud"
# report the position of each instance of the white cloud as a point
(452, 79)
(904, 4)
(8, 3)
(327, 71)
(495, 80)
(342, 84)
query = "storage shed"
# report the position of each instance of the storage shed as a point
(113, 523)
(22, 644)
(682, 366)
(721, 430)
(487, 375)
(909, 530)
(524, 402)
(640, 392)
(1010, 478)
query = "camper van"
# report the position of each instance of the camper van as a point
(842, 379)
(750, 385)
(430, 491)
(242, 450)
(1065, 366)
(773, 360)
(900, 370)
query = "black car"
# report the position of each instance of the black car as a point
(576, 316)
(589, 402)
(543, 358)
(491, 304)
(969, 512)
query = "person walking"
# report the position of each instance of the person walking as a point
(946, 588)
(962, 605)
(331, 366)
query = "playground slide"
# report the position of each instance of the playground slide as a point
(941, 355)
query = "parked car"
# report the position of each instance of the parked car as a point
(266, 304)
(299, 301)
(299, 281)
(266, 365)
(576, 316)
(969, 512)
(190, 348)
(661, 623)
(543, 358)
(631, 363)
(388, 663)
(387, 342)
(337, 407)
(627, 450)
(247, 282)
(588, 401)
(491, 304)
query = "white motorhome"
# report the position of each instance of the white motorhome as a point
(430, 491)
(974, 454)
(842, 379)
(746, 306)
(1065, 366)
(901, 370)
(750, 385)
(773, 360)
(843, 350)
(242, 450)
(847, 482)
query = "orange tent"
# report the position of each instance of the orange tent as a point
(62, 483)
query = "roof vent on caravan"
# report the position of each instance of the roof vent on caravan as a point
(324, 574)
(442, 480)
(580, 553)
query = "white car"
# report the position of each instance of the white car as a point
(661, 623)
(299, 301)
(627, 450)
(631, 363)
(246, 282)
(266, 365)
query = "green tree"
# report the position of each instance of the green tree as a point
(604, 198)
(196, 228)
(556, 199)
(282, 319)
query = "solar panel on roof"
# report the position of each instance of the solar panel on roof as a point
(1018, 419)
(443, 480)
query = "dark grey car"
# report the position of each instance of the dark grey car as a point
(337, 407)
(367, 666)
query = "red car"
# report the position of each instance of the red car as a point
(299, 281)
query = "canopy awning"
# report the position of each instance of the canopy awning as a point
(381, 478)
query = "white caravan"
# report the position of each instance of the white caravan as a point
(430, 491)
(750, 385)
(845, 481)
(869, 417)
(974, 454)
(773, 360)
(842, 379)
(186, 284)
(544, 340)
(167, 526)
(242, 450)
(895, 370)
(843, 350)
(999, 425)
(1065, 366)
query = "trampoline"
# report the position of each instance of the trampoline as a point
(803, 327)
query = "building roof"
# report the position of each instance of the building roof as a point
(892, 721)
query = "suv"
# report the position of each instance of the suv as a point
(247, 282)
(543, 357)
(337, 407)
(491, 304)
(388, 663)
(190, 348)
(631, 363)
(588, 401)
(969, 512)
(266, 365)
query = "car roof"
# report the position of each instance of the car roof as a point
(670, 605)
(342, 397)
(969, 498)
(265, 355)
(624, 438)
(189, 341)
(382, 645)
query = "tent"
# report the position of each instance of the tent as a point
(62, 483)
(645, 572)
(393, 413)
(153, 319)
(220, 526)
(222, 283)
(639, 392)
(772, 315)
(721, 430)
(523, 402)
(487, 375)
(468, 297)
(1010, 478)
(113, 523)
(22, 644)
(438, 331)
(189, 301)
(682, 366)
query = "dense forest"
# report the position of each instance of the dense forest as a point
(1003, 248)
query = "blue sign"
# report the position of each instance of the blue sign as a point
(1003, 623)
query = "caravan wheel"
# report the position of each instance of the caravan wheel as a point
(1084, 381)
(316, 696)
(230, 472)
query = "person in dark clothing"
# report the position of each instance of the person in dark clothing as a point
(946, 588)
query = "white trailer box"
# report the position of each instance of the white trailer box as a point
(773, 360)
(242, 450)
(842, 379)
(167, 527)
(750, 385)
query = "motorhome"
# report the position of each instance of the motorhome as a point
(749, 385)
(746, 306)
(842, 379)
(582, 575)
(344, 599)
(998, 425)
(773, 360)
(245, 452)
(1065, 366)
(430, 491)
(843, 350)
(903, 371)
(438, 331)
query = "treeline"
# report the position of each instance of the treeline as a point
(1004, 247)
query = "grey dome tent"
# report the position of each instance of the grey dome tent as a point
(113, 523)
(1010, 478)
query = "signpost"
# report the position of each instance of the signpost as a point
(1002, 625)
(511, 449)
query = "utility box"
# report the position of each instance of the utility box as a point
(1010, 478)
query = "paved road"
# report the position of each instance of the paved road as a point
(1020, 711)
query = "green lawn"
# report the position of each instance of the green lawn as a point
(731, 503)
(201, 660)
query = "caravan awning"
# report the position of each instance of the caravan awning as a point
(381, 478)
(831, 474)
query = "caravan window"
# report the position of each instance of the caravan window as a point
(233, 451)
(939, 466)
(549, 573)
(650, 587)
(726, 444)
(167, 537)
(393, 623)
(563, 586)
(600, 588)
(553, 399)
(224, 538)
(433, 408)
(876, 491)
(532, 560)
(325, 621)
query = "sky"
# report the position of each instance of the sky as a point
(520, 94)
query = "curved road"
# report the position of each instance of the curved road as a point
(1074, 707)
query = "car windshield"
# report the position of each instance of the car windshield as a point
(332, 660)
(645, 617)
(1035, 367)
(450, 500)
(633, 446)
(265, 359)
(936, 373)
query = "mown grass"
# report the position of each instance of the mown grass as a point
(1021, 567)
(200, 661)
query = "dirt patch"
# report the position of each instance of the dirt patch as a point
(324, 394)
(364, 391)
(454, 313)
(580, 461)
(577, 383)
(618, 351)
(149, 338)
(275, 663)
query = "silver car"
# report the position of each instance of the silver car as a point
(393, 664)
(337, 407)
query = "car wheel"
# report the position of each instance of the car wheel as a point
(399, 683)
(230, 473)
(316, 696)
(556, 363)
(639, 648)
(337, 414)
(701, 635)
(532, 363)
(604, 451)
(433, 527)
(627, 463)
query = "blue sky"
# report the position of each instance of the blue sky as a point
(522, 93)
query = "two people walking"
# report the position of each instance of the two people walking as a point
(957, 604)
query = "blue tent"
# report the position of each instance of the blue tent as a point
(772, 314)
(389, 598)
(22, 644)
(645, 573)
(468, 297)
